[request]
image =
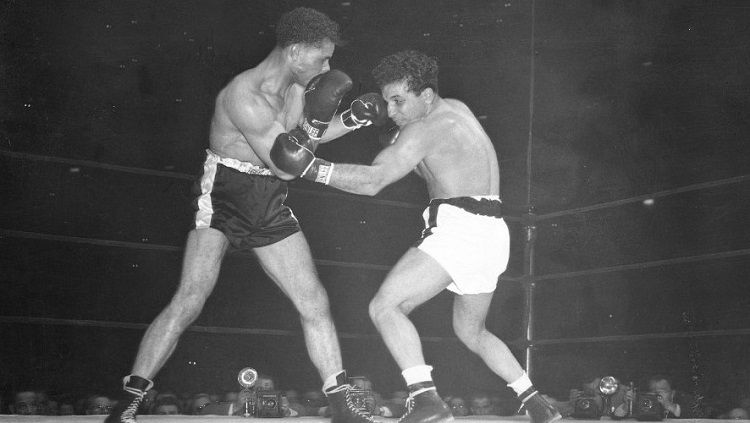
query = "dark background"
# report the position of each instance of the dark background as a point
(615, 99)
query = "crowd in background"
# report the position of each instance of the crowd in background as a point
(676, 404)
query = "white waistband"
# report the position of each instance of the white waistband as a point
(244, 167)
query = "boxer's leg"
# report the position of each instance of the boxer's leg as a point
(469, 314)
(289, 264)
(416, 278)
(204, 251)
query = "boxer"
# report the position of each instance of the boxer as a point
(464, 246)
(239, 200)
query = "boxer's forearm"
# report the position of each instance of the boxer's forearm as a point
(358, 179)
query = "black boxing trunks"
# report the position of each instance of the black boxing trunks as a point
(243, 201)
(468, 237)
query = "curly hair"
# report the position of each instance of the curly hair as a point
(307, 26)
(416, 68)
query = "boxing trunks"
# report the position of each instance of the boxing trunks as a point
(243, 201)
(468, 237)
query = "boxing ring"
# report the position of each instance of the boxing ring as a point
(550, 260)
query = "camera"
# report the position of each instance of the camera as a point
(586, 408)
(268, 404)
(648, 407)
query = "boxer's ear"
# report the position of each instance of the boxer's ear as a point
(427, 95)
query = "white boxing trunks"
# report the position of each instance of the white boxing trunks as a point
(468, 237)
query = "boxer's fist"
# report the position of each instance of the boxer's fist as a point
(322, 97)
(389, 136)
(292, 152)
(367, 109)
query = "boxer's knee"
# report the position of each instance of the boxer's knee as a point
(469, 334)
(312, 303)
(381, 309)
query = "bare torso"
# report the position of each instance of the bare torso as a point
(460, 160)
(250, 112)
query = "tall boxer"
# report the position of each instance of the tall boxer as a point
(239, 202)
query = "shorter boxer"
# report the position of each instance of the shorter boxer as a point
(465, 244)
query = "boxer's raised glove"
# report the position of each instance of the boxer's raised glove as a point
(322, 97)
(367, 109)
(292, 153)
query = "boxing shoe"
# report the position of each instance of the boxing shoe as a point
(342, 405)
(126, 410)
(538, 409)
(424, 405)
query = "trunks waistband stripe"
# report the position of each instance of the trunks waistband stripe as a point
(478, 206)
(243, 167)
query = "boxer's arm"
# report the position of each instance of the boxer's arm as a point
(367, 109)
(335, 130)
(254, 117)
(391, 164)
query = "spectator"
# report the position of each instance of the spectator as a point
(315, 403)
(167, 406)
(458, 406)
(287, 409)
(294, 403)
(52, 408)
(198, 402)
(265, 383)
(738, 413)
(147, 405)
(98, 405)
(26, 403)
(66, 409)
(480, 404)
(677, 405)
(231, 396)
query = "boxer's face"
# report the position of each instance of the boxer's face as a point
(405, 106)
(311, 59)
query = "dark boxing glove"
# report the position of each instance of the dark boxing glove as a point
(389, 136)
(367, 109)
(322, 97)
(292, 153)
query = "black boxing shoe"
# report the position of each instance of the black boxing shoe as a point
(424, 405)
(538, 409)
(342, 405)
(126, 410)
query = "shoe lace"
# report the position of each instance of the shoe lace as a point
(410, 401)
(128, 415)
(354, 409)
(409, 407)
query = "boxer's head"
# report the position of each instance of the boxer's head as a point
(308, 39)
(409, 83)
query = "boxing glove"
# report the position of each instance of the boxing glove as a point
(389, 136)
(322, 97)
(292, 153)
(367, 109)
